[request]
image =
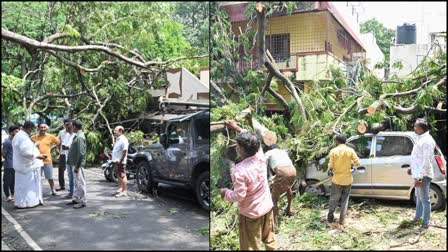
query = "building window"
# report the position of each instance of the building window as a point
(278, 46)
(344, 40)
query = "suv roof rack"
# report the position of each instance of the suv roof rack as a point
(164, 101)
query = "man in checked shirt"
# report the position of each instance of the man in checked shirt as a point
(251, 191)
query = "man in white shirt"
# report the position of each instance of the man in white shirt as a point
(119, 154)
(65, 137)
(422, 171)
(27, 162)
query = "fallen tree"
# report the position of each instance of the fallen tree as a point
(346, 104)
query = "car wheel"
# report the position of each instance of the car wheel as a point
(143, 177)
(436, 198)
(202, 190)
(312, 189)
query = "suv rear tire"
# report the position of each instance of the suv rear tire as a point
(143, 177)
(202, 190)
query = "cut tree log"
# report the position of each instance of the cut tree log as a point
(362, 127)
(376, 105)
(217, 128)
(266, 135)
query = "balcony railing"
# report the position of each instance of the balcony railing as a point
(283, 64)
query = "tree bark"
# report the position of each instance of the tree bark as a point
(260, 11)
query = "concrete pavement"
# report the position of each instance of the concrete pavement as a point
(168, 222)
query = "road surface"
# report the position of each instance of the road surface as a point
(171, 221)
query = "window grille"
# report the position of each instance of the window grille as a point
(278, 46)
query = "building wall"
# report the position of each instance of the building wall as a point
(307, 30)
(186, 85)
(410, 57)
(374, 54)
(315, 67)
(340, 49)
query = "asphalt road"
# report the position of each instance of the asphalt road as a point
(171, 221)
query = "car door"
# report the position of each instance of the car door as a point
(362, 177)
(390, 164)
(176, 154)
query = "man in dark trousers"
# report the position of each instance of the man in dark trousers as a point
(65, 136)
(341, 159)
(8, 175)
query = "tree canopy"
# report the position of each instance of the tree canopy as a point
(89, 60)
(384, 37)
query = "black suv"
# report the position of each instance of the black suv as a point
(182, 157)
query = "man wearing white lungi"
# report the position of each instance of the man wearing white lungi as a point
(77, 159)
(27, 161)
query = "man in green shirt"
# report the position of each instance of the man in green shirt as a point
(77, 159)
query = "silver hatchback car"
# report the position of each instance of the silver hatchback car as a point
(385, 159)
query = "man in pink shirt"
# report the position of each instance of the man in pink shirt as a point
(251, 192)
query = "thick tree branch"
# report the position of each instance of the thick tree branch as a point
(76, 65)
(288, 83)
(343, 114)
(32, 43)
(50, 95)
(265, 88)
(279, 98)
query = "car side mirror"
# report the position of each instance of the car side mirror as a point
(164, 140)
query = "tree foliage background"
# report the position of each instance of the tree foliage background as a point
(90, 85)
(384, 38)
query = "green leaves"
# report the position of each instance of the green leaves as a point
(73, 32)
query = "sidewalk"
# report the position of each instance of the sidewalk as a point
(4, 246)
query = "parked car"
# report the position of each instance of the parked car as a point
(182, 158)
(385, 159)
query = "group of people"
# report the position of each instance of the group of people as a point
(27, 156)
(258, 205)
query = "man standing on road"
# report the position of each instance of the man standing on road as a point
(119, 154)
(27, 161)
(65, 138)
(251, 191)
(45, 142)
(8, 175)
(77, 159)
(422, 171)
(341, 158)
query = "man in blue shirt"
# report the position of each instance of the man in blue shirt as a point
(9, 174)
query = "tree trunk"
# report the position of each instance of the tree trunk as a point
(261, 40)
